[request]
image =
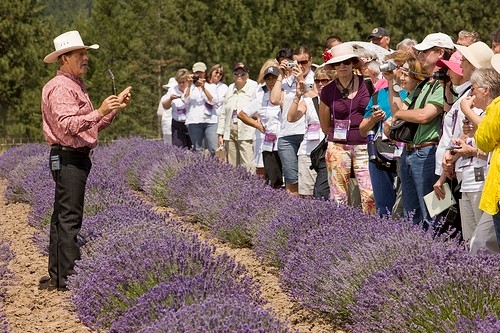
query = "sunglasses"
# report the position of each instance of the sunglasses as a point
(219, 73)
(346, 62)
(240, 73)
(270, 78)
(303, 62)
(322, 81)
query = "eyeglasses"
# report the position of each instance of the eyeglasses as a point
(240, 73)
(346, 62)
(322, 81)
(427, 51)
(474, 88)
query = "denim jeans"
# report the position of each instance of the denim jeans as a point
(203, 132)
(418, 179)
(288, 146)
(496, 222)
(383, 189)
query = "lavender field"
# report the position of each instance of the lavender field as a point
(142, 271)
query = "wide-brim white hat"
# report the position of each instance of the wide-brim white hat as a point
(172, 82)
(495, 62)
(478, 54)
(342, 52)
(65, 43)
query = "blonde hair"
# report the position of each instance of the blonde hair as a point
(267, 63)
(182, 73)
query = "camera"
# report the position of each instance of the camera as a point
(196, 77)
(291, 63)
(388, 66)
(308, 87)
(440, 75)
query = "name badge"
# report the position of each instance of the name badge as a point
(341, 129)
(313, 132)
(181, 114)
(269, 142)
(479, 174)
(235, 116)
(208, 109)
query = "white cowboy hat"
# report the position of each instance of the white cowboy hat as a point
(495, 62)
(478, 54)
(172, 82)
(342, 52)
(65, 43)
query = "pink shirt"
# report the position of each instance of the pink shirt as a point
(69, 118)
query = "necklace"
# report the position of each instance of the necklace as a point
(345, 91)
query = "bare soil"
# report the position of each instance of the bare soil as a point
(31, 310)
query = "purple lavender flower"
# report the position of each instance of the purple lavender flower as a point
(433, 292)
(328, 265)
(486, 324)
(6, 276)
(230, 314)
(115, 271)
(179, 292)
(241, 220)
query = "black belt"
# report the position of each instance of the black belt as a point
(82, 150)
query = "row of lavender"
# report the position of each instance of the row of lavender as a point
(6, 275)
(140, 271)
(366, 273)
(369, 274)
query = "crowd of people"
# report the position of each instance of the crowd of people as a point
(396, 131)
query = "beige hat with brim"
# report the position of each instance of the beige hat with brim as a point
(478, 54)
(495, 62)
(172, 82)
(342, 52)
(67, 42)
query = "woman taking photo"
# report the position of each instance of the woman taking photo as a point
(180, 135)
(268, 123)
(341, 111)
(306, 104)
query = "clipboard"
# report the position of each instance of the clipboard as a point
(436, 206)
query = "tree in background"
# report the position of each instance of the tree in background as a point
(144, 42)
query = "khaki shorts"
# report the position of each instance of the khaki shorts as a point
(307, 177)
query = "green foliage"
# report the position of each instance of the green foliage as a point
(145, 42)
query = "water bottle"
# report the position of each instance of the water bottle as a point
(372, 151)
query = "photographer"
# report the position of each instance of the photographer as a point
(383, 177)
(201, 115)
(418, 158)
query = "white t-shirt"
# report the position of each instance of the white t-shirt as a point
(221, 89)
(269, 114)
(198, 108)
(289, 86)
(313, 134)
(166, 116)
(452, 126)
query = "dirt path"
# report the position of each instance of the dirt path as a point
(30, 310)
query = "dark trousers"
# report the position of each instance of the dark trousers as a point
(67, 216)
(272, 169)
(180, 135)
(321, 187)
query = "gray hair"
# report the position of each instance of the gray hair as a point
(406, 44)
(487, 78)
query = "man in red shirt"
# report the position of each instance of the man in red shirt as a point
(70, 127)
